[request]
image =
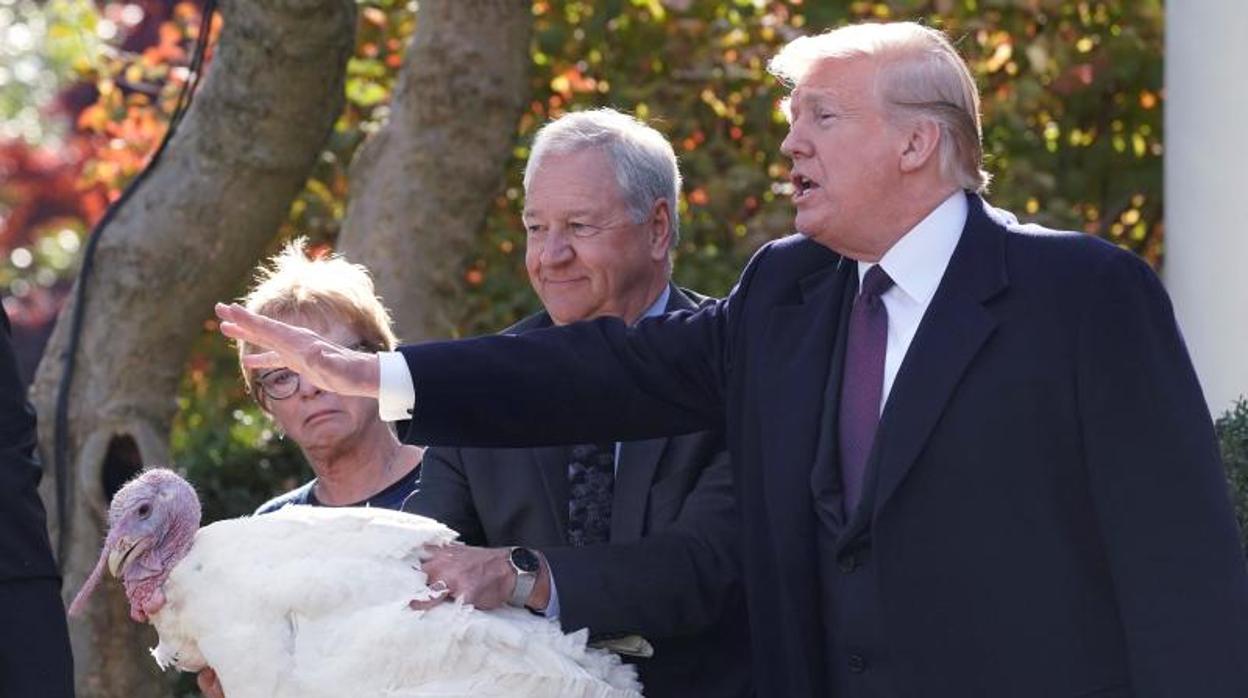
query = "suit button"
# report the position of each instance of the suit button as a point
(857, 663)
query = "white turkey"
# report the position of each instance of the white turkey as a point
(312, 601)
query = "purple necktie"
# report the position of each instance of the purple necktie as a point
(862, 385)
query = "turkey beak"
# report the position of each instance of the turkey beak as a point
(125, 552)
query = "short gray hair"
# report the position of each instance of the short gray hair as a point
(644, 162)
(921, 73)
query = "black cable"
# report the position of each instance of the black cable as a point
(61, 434)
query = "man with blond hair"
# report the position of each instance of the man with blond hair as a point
(972, 456)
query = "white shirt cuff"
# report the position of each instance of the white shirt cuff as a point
(396, 396)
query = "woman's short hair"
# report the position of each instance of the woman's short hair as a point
(920, 74)
(323, 290)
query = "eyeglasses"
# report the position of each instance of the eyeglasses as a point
(281, 383)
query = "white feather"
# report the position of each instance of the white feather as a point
(312, 601)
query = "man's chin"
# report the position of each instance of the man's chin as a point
(562, 313)
(566, 318)
(808, 223)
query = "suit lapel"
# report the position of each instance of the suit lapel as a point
(825, 478)
(634, 474)
(799, 343)
(955, 327)
(552, 464)
(638, 463)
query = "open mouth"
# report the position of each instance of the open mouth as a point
(802, 186)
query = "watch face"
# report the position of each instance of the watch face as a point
(525, 560)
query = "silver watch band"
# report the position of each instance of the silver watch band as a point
(525, 581)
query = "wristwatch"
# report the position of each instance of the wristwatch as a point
(526, 563)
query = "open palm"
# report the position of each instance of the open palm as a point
(327, 365)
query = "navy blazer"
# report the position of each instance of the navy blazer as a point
(1050, 517)
(35, 655)
(671, 572)
(24, 549)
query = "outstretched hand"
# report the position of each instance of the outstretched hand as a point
(316, 359)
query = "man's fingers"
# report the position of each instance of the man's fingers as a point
(242, 324)
(433, 560)
(265, 359)
(209, 684)
(432, 595)
(426, 604)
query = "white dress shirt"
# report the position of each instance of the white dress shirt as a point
(916, 263)
(396, 397)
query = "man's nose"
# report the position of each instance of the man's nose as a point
(794, 144)
(557, 247)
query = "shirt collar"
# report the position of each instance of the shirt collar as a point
(916, 263)
(659, 306)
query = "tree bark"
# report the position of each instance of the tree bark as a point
(422, 185)
(185, 239)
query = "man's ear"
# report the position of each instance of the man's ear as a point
(659, 229)
(922, 138)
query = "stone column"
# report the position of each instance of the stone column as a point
(1206, 189)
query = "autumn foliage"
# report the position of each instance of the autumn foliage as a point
(1072, 111)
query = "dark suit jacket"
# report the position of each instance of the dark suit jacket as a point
(671, 572)
(24, 550)
(34, 642)
(1050, 518)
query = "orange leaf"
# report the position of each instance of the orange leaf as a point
(93, 118)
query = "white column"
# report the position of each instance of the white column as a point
(1206, 189)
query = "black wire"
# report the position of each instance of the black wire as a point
(61, 435)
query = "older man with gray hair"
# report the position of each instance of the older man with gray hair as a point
(972, 456)
(636, 541)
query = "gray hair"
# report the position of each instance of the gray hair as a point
(920, 74)
(644, 163)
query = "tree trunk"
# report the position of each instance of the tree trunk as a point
(422, 185)
(186, 238)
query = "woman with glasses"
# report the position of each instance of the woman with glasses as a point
(356, 457)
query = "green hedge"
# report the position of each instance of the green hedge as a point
(1233, 436)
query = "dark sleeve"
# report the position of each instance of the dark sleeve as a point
(602, 379)
(445, 495)
(24, 547)
(673, 582)
(592, 381)
(34, 644)
(35, 658)
(1160, 494)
